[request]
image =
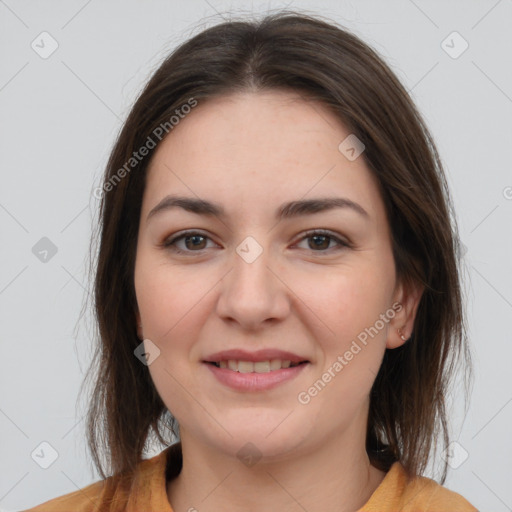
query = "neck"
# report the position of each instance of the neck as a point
(333, 475)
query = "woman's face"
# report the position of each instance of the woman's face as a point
(251, 279)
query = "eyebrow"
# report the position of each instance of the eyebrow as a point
(285, 211)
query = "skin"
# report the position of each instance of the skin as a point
(251, 152)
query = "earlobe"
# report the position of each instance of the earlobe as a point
(396, 337)
(402, 325)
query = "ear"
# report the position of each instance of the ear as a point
(406, 302)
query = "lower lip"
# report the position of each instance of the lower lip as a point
(255, 381)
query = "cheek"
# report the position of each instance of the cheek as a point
(349, 300)
(168, 296)
(172, 305)
(353, 345)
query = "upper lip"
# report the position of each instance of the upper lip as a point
(259, 355)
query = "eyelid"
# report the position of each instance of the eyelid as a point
(325, 232)
(169, 243)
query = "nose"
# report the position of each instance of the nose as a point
(253, 294)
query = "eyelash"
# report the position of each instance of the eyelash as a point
(170, 242)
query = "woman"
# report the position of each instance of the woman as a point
(277, 284)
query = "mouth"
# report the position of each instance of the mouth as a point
(255, 376)
(266, 366)
(254, 371)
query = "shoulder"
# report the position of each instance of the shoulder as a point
(83, 500)
(428, 494)
(420, 494)
(114, 493)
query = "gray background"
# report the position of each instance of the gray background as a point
(59, 117)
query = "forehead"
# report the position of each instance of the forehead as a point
(246, 122)
(255, 149)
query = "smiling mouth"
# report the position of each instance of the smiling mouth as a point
(255, 367)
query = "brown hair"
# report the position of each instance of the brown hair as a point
(325, 63)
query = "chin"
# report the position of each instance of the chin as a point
(258, 440)
(251, 451)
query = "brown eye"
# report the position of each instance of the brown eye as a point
(192, 242)
(319, 241)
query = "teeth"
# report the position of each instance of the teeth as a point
(245, 366)
(258, 367)
(262, 366)
(275, 364)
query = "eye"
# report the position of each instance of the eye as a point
(193, 240)
(321, 239)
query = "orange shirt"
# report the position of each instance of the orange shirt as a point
(146, 491)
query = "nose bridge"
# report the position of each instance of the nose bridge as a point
(251, 293)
